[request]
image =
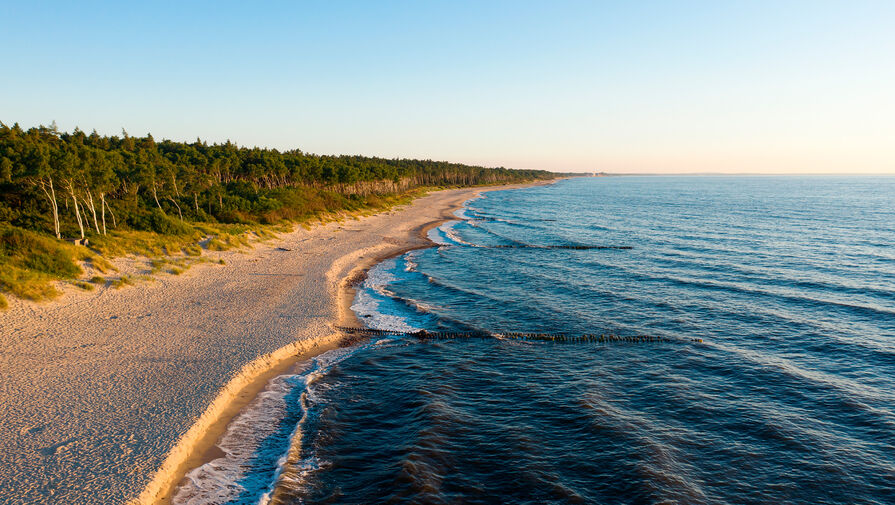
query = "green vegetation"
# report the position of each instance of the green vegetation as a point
(28, 260)
(122, 281)
(135, 196)
(86, 286)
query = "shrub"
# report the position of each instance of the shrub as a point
(158, 222)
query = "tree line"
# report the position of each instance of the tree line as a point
(78, 183)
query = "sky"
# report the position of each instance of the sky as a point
(625, 87)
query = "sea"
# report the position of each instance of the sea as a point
(770, 378)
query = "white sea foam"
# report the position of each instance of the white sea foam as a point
(410, 261)
(369, 298)
(218, 481)
(451, 233)
(438, 236)
(235, 475)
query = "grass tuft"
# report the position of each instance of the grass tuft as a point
(192, 250)
(122, 281)
(86, 286)
(226, 241)
(102, 264)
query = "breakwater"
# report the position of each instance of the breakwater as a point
(530, 336)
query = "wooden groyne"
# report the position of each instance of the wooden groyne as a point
(544, 337)
(576, 247)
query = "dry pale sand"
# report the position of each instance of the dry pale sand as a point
(97, 389)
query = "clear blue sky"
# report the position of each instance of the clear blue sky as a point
(721, 86)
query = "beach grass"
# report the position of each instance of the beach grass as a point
(122, 281)
(31, 263)
(86, 286)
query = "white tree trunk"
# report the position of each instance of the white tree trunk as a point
(178, 207)
(83, 209)
(102, 203)
(55, 210)
(114, 222)
(92, 210)
(51, 197)
(155, 195)
(74, 198)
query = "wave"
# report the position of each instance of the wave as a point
(803, 298)
(453, 236)
(369, 299)
(257, 440)
(450, 231)
(848, 391)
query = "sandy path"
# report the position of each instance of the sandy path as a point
(96, 389)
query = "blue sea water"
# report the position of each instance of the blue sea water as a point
(790, 397)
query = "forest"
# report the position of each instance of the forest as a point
(74, 186)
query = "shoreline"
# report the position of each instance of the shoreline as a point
(110, 396)
(199, 445)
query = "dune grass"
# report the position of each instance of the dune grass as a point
(122, 281)
(86, 286)
(31, 262)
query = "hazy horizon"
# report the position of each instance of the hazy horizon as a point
(693, 87)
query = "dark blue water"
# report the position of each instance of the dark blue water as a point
(790, 398)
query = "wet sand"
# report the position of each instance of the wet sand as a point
(113, 392)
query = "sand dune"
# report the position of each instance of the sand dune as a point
(96, 389)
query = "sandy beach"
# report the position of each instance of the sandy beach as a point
(100, 390)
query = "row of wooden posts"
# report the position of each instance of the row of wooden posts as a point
(548, 337)
(579, 247)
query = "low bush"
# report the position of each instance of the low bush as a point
(155, 220)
